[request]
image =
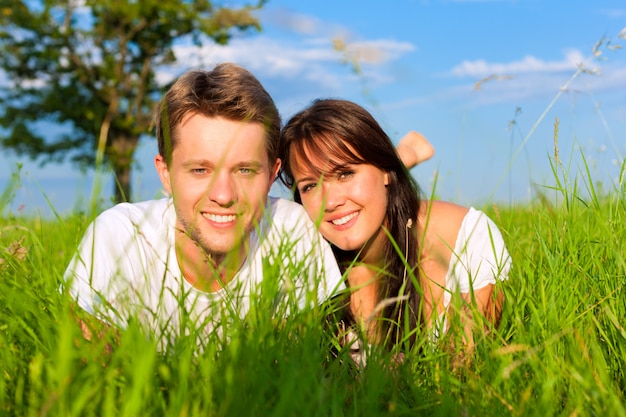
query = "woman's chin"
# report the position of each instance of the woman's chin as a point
(347, 246)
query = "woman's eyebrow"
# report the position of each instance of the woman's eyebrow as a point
(337, 168)
(311, 176)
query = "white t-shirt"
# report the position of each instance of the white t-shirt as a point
(126, 268)
(480, 258)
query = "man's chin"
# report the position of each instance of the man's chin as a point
(216, 247)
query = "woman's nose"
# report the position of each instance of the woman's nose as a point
(332, 195)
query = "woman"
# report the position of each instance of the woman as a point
(408, 261)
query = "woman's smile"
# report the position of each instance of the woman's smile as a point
(346, 220)
(352, 206)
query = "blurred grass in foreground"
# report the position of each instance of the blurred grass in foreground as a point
(560, 349)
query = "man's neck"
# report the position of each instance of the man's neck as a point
(209, 271)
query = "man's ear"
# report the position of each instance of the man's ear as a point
(275, 169)
(164, 173)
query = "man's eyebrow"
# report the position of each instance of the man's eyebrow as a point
(250, 163)
(196, 162)
(209, 163)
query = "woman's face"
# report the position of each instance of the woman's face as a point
(349, 202)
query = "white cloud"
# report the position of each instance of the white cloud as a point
(376, 51)
(541, 85)
(529, 64)
(526, 85)
(260, 55)
(293, 22)
(309, 30)
(310, 58)
(614, 13)
(298, 23)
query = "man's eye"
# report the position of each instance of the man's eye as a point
(246, 171)
(198, 170)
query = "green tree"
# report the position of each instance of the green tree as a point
(89, 66)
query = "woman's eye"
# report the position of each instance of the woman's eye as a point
(345, 174)
(306, 188)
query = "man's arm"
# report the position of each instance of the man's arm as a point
(94, 330)
(89, 278)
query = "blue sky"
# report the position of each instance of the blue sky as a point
(483, 80)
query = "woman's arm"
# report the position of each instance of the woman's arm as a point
(489, 303)
(467, 256)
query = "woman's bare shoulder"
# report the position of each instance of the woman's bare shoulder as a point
(441, 220)
(437, 210)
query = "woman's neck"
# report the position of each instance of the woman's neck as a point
(375, 250)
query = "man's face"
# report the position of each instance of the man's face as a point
(219, 178)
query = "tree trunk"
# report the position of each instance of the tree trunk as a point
(122, 186)
(120, 154)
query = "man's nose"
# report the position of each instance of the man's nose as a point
(222, 189)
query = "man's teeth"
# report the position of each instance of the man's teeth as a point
(217, 218)
(344, 219)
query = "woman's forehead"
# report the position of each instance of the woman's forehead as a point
(306, 160)
(325, 154)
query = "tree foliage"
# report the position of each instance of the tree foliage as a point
(90, 67)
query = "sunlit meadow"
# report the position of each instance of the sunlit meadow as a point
(559, 350)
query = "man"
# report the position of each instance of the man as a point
(204, 255)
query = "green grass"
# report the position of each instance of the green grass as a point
(560, 349)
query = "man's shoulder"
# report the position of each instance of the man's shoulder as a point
(128, 238)
(282, 209)
(150, 214)
(139, 210)
(281, 202)
(287, 218)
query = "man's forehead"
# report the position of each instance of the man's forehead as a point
(220, 129)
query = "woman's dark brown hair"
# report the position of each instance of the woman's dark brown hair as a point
(346, 133)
